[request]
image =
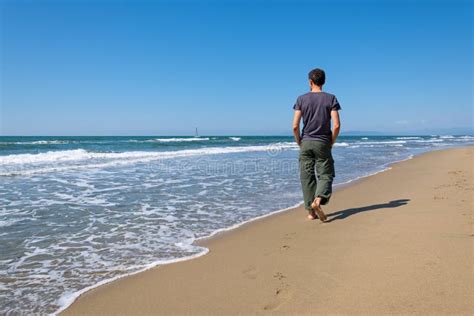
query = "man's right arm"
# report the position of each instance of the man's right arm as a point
(336, 125)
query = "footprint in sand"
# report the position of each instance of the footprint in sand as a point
(281, 249)
(289, 236)
(279, 276)
(280, 296)
(281, 293)
(250, 272)
(284, 247)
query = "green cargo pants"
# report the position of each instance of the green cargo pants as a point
(317, 154)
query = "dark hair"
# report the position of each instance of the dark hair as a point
(317, 76)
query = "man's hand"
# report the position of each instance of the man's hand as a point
(296, 127)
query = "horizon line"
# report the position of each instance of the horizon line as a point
(254, 135)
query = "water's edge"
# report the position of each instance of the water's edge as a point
(67, 300)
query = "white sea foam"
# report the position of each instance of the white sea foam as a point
(236, 139)
(177, 140)
(39, 142)
(468, 137)
(409, 137)
(80, 158)
(341, 144)
(49, 142)
(430, 140)
(68, 298)
(389, 142)
(81, 154)
(5, 223)
(50, 156)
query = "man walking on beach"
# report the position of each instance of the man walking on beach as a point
(317, 108)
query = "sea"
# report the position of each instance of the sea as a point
(78, 212)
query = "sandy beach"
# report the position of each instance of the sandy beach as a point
(399, 242)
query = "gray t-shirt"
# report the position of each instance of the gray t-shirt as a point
(316, 110)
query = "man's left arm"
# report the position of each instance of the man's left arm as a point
(336, 126)
(296, 126)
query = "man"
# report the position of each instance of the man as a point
(317, 108)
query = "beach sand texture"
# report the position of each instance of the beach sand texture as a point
(399, 242)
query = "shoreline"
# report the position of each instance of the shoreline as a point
(218, 234)
(69, 299)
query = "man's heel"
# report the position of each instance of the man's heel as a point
(319, 212)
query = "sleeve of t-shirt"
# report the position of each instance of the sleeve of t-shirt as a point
(335, 106)
(297, 106)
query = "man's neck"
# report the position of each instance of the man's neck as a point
(316, 89)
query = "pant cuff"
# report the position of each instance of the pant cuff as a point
(324, 199)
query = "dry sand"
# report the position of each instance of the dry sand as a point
(399, 242)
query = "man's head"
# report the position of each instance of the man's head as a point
(317, 77)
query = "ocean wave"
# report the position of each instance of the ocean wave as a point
(77, 158)
(431, 140)
(409, 137)
(178, 140)
(39, 142)
(236, 139)
(5, 223)
(389, 142)
(341, 144)
(50, 156)
(82, 154)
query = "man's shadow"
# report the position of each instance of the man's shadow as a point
(351, 211)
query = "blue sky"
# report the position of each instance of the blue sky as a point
(231, 67)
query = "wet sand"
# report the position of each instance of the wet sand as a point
(399, 242)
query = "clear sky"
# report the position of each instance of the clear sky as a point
(231, 67)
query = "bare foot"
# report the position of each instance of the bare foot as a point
(312, 215)
(316, 205)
